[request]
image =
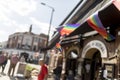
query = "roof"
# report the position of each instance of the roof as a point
(109, 16)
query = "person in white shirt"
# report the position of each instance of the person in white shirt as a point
(105, 73)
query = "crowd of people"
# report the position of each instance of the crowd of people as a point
(4, 57)
(14, 58)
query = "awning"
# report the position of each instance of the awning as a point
(109, 16)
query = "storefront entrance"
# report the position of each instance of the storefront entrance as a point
(96, 63)
(71, 63)
(91, 66)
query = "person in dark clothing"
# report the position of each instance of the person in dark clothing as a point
(57, 72)
(70, 75)
(13, 62)
(2, 59)
(5, 61)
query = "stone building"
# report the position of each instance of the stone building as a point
(85, 50)
(26, 42)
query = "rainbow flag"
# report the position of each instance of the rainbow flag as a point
(117, 4)
(68, 28)
(58, 46)
(96, 24)
(59, 28)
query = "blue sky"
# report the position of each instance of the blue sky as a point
(18, 15)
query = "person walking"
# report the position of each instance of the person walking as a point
(104, 74)
(43, 71)
(70, 75)
(2, 59)
(57, 72)
(5, 61)
(13, 61)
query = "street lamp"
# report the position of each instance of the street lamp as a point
(50, 21)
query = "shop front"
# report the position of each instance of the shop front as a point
(94, 52)
(87, 61)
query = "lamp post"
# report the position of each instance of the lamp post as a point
(50, 21)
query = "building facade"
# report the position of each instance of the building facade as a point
(28, 41)
(85, 51)
(25, 42)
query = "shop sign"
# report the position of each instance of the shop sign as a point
(96, 44)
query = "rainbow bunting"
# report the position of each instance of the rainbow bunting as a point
(58, 46)
(68, 28)
(96, 24)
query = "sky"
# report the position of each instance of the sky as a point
(18, 15)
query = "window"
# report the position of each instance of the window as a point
(20, 37)
(36, 39)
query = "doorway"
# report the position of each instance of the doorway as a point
(26, 55)
(71, 63)
(92, 65)
(96, 63)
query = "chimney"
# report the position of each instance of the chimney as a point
(30, 29)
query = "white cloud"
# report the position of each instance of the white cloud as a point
(21, 7)
(22, 28)
(41, 25)
(18, 27)
(3, 17)
(3, 35)
(37, 22)
(2, 32)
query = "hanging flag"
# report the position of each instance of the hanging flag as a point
(68, 28)
(117, 4)
(96, 24)
(59, 28)
(58, 46)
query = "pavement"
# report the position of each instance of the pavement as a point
(5, 77)
(17, 76)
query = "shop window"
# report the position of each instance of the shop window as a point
(18, 46)
(110, 69)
